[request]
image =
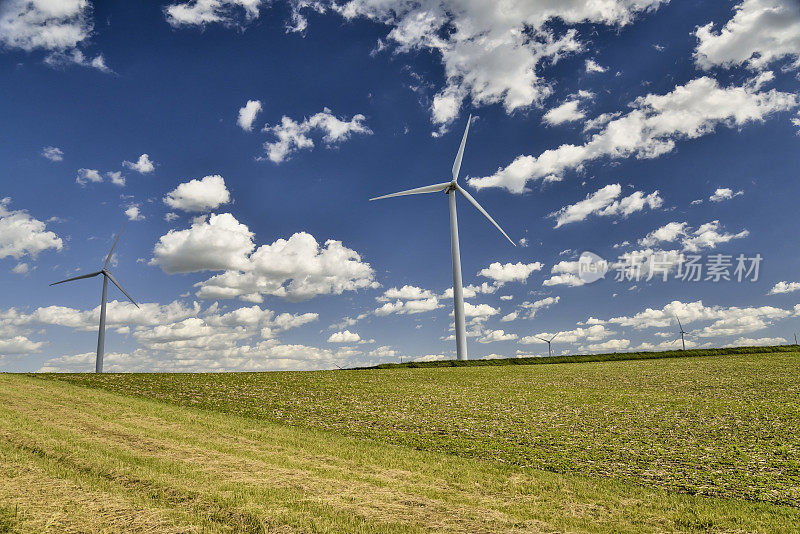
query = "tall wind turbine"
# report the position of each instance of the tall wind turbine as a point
(101, 334)
(681, 332)
(548, 341)
(450, 188)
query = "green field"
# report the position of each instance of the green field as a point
(704, 443)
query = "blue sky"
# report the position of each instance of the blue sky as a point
(241, 141)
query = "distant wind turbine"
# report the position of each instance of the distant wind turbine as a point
(682, 332)
(101, 334)
(450, 188)
(548, 341)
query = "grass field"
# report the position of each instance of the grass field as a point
(707, 443)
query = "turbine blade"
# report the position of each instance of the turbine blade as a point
(679, 323)
(480, 209)
(77, 278)
(427, 189)
(114, 281)
(460, 155)
(543, 339)
(108, 258)
(552, 338)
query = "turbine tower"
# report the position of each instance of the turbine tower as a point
(548, 341)
(681, 332)
(101, 334)
(450, 188)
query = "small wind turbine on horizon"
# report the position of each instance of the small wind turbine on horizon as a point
(101, 334)
(682, 332)
(548, 341)
(450, 189)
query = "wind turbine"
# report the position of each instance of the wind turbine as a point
(548, 341)
(450, 189)
(682, 332)
(101, 334)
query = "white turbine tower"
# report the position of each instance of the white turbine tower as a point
(450, 188)
(101, 334)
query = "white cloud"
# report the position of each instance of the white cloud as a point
(21, 268)
(202, 12)
(566, 112)
(205, 194)
(593, 66)
(479, 311)
(784, 287)
(88, 175)
(132, 212)
(60, 58)
(292, 136)
(649, 130)
(247, 114)
(708, 235)
(53, 153)
(593, 333)
(143, 165)
(605, 202)
(19, 345)
(762, 341)
(409, 307)
(760, 32)
(216, 243)
(565, 273)
(41, 24)
(615, 345)
(297, 268)
(406, 292)
(724, 193)
(510, 272)
(727, 321)
(492, 52)
(176, 337)
(491, 336)
(116, 178)
(344, 337)
(22, 235)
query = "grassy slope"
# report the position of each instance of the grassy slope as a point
(718, 425)
(75, 460)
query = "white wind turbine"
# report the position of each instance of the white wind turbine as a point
(548, 341)
(101, 334)
(450, 188)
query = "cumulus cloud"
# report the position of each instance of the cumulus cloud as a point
(491, 52)
(180, 337)
(707, 236)
(247, 115)
(53, 153)
(344, 337)
(784, 287)
(143, 165)
(88, 175)
(205, 194)
(19, 345)
(592, 66)
(762, 341)
(651, 129)
(606, 202)
(568, 111)
(760, 32)
(297, 268)
(593, 333)
(291, 136)
(724, 193)
(202, 12)
(491, 336)
(116, 178)
(510, 272)
(23, 235)
(565, 273)
(57, 28)
(725, 321)
(133, 214)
